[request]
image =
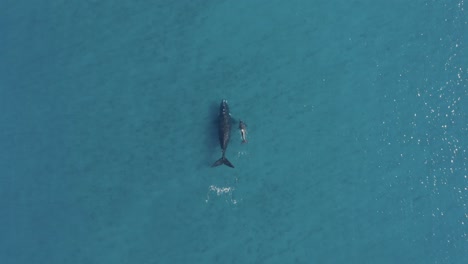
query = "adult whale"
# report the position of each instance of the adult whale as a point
(224, 131)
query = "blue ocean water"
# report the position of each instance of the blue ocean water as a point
(357, 129)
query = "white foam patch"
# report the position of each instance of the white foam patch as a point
(242, 153)
(225, 192)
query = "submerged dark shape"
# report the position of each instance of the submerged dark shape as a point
(224, 131)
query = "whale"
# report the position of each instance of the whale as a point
(243, 131)
(224, 132)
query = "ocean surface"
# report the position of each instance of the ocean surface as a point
(357, 115)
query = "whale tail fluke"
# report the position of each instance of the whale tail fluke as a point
(224, 161)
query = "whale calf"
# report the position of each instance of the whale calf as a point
(243, 131)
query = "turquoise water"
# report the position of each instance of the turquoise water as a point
(356, 114)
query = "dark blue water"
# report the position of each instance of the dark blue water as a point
(357, 126)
